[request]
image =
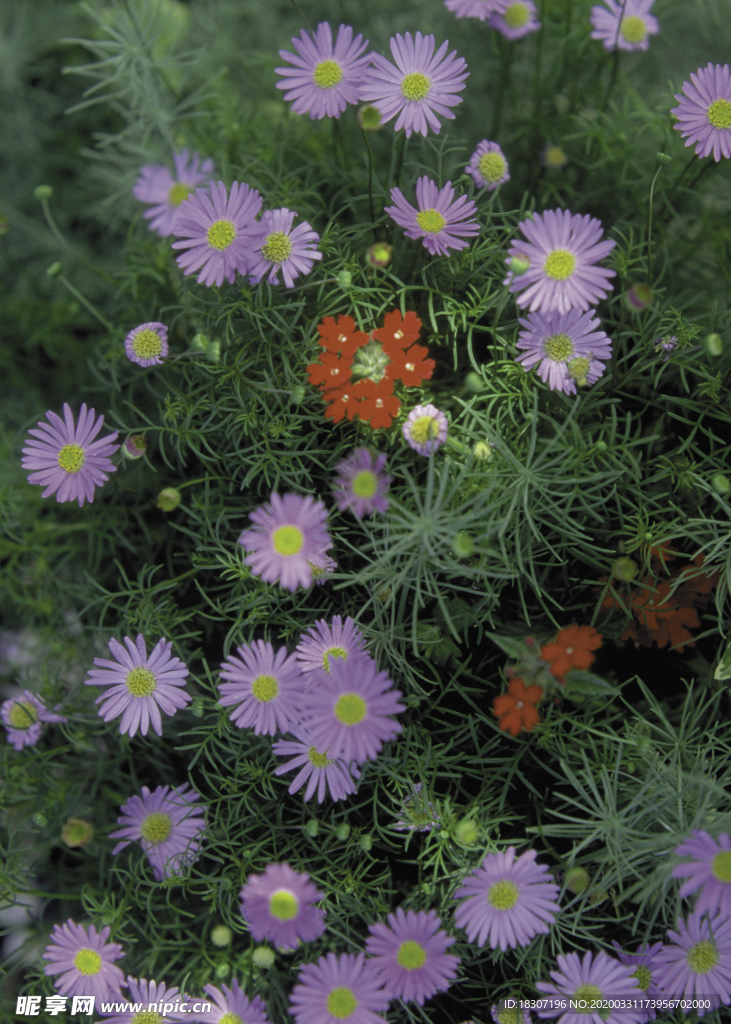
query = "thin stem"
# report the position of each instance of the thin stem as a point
(302, 15)
(60, 238)
(649, 227)
(370, 180)
(399, 153)
(85, 302)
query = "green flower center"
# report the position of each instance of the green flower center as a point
(147, 344)
(632, 29)
(87, 962)
(721, 866)
(327, 74)
(333, 652)
(156, 827)
(288, 540)
(141, 682)
(719, 114)
(559, 264)
(702, 957)
(516, 15)
(231, 1018)
(555, 156)
(587, 994)
(430, 221)
(147, 1017)
(365, 484)
(503, 895)
(411, 955)
(492, 167)
(23, 714)
(644, 977)
(578, 369)
(71, 458)
(221, 234)
(558, 347)
(277, 247)
(178, 193)
(350, 709)
(510, 1015)
(317, 759)
(415, 86)
(424, 429)
(341, 1002)
(283, 905)
(370, 361)
(265, 688)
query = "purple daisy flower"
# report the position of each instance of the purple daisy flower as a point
(698, 963)
(422, 85)
(219, 231)
(139, 685)
(339, 990)
(265, 687)
(147, 345)
(278, 906)
(482, 9)
(143, 993)
(596, 976)
(325, 78)
(567, 348)
(289, 536)
(166, 191)
(561, 250)
(281, 248)
(66, 459)
(231, 1005)
(440, 218)
(425, 429)
(488, 167)
(645, 963)
(85, 961)
(704, 114)
(517, 20)
(167, 823)
(320, 772)
(409, 955)
(339, 640)
(509, 900)
(624, 24)
(361, 484)
(503, 1014)
(351, 709)
(23, 716)
(710, 869)
(417, 813)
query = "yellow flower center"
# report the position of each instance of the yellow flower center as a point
(721, 866)
(231, 1018)
(559, 264)
(277, 247)
(719, 114)
(23, 714)
(424, 429)
(147, 1017)
(510, 1015)
(87, 962)
(702, 957)
(492, 167)
(333, 652)
(317, 759)
(516, 15)
(288, 540)
(415, 86)
(555, 156)
(341, 1002)
(156, 827)
(178, 193)
(71, 458)
(283, 905)
(365, 484)
(587, 994)
(644, 977)
(141, 682)
(147, 343)
(411, 955)
(350, 709)
(327, 74)
(430, 221)
(503, 895)
(632, 29)
(265, 688)
(221, 234)
(558, 347)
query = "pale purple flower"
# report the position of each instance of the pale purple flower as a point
(338, 640)
(266, 688)
(66, 459)
(23, 716)
(409, 954)
(142, 993)
(418, 814)
(425, 429)
(566, 348)
(282, 249)
(361, 484)
(665, 345)
(422, 85)
(509, 900)
(697, 962)
(341, 989)
(704, 114)
(488, 167)
(321, 772)
(644, 964)
(517, 20)
(709, 870)
(147, 345)
(440, 218)
(288, 538)
(139, 686)
(168, 823)
(482, 9)
(624, 24)
(278, 906)
(219, 231)
(165, 191)
(84, 960)
(595, 976)
(325, 78)
(231, 1005)
(561, 250)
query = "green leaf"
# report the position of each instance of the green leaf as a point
(723, 669)
(513, 648)
(587, 684)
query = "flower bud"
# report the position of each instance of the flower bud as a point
(462, 544)
(39, 820)
(482, 451)
(312, 827)
(577, 880)
(625, 568)
(77, 832)
(379, 255)
(369, 117)
(720, 483)
(467, 832)
(343, 831)
(263, 957)
(42, 192)
(366, 843)
(4, 225)
(638, 297)
(713, 344)
(664, 158)
(221, 935)
(519, 265)
(223, 970)
(344, 279)
(54, 270)
(474, 382)
(168, 499)
(134, 447)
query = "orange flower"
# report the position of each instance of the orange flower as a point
(516, 709)
(341, 336)
(571, 649)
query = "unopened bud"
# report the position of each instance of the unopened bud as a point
(369, 118)
(482, 450)
(343, 831)
(221, 935)
(467, 832)
(42, 192)
(312, 827)
(474, 382)
(134, 447)
(577, 880)
(366, 843)
(263, 957)
(77, 832)
(638, 297)
(223, 970)
(624, 568)
(713, 344)
(379, 255)
(519, 265)
(344, 279)
(720, 483)
(168, 499)
(462, 544)
(54, 270)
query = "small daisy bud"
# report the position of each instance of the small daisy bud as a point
(263, 957)
(200, 342)
(554, 157)
(379, 255)
(638, 297)
(54, 270)
(343, 831)
(462, 544)
(369, 118)
(713, 344)
(720, 483)
(39, 820)
(312, 827)
(577, 880)
(344, 279)
(466, 832)
(221, 935)
(601, 446)
(134, 447)
(297, 394)
(42, 192)
(168, 499)
(519, 265)
(624, 568)
(366, 843)
(474, 382)
(482, 451)
(197, 709)
(223, 970)
(76, 832)
(664, 158)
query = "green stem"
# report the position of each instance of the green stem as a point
(399, 153)
(649, 228)
(85, 302)
(370, 181)
(58, 235)
(302, 15)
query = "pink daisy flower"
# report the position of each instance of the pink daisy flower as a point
(337, 640)
(425, 429)
(147, 345)
(165, 191)
(231, 1006)
(624, 24)
(708, 870)
(169, 826)
(292, 252)
(321, 772)
(325, 78)
(23, 716)
(265, 687)
(361, 485)
(409, 955)
(84, 960)
(595, 976)
(278, 906)
(440, 220)
(704, 114)
(143, 993)
(696, 962)
(287, 539)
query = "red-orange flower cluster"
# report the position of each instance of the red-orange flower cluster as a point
(571, 649)
(516, 709)
(356, 372)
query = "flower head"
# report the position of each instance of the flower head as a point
(232, 1006)
(66, 459)
(553, 157)
(422, 85)
(595, 977)
(441, 220)
(566, 348)
(704, 111)
(339, 641)
(572, 648)
(482, 9)
(265, 687)
(502, 1013)
(509, 900)
(409, 955)
(139, 686)
(698, 961)
(516, 709)
(165, 191)
(168, 824)
(147, 345)
(288, 535)
(361, 484)
(709, 870)
(23, 716)
(282, 249)
(518, 19)
(418, 813)
(143, 993)
(339, 990)
(645, 963)
(666, 345)
(488, 167)
(320, 771)
(219, 231)
(278, 906)
(84, 960)
(425, 429)
(325, 78)
(624, 24)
